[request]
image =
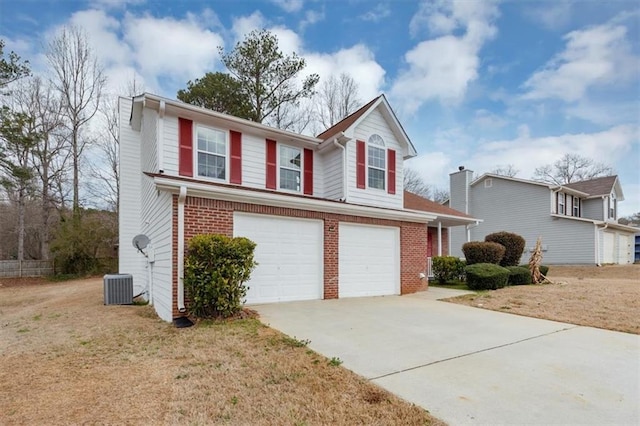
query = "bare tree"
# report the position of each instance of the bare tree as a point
(415, 184)
(336, 99)
(50, 154)
(80, 80)
(571, 168)
(509, 171)
(440, 195)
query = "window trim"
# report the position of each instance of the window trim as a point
(561, 201)
(279, 146)
(575, 212)
(382, 146)
(196, 150)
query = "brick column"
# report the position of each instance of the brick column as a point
(331, 258)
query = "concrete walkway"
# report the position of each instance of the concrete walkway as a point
(474, 366)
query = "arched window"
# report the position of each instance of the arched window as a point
(377, 163)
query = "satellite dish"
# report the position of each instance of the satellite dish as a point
(140, 241)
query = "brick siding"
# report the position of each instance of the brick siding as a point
(210, 216)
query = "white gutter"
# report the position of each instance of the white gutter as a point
(345, 186)
(160, 137)
(219, 192)
(439, 238)
(181, 198)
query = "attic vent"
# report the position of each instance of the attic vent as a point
(488, 183)
(118, 289)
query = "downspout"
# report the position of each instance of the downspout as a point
(344, 169)
(160, 137)
(439, 238)
(181, 199)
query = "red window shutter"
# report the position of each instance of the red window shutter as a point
(235, 175)
(271, 164)
(360, 164)
(391, 171)
(185, 143)
(308, 172)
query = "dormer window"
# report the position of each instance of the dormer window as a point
(376, 155)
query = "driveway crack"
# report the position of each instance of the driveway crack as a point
(473, 353)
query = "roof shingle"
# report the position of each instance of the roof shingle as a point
(416, 202)
(594, 187)
(344, 124)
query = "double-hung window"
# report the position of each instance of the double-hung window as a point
(290, 166)
(212, 153)
(612, 205)
(377, 159)
(576, 207)
(561, 203)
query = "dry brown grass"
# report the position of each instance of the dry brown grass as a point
(65, 358)
(603, 297)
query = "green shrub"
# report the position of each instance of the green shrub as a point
(447, 268)
(215, 270)
(486, 276)
(519, 275)
(513, 244)
(483, 252)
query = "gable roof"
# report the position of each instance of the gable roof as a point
(445, 215)
(346, 122)
(551, 187)
(595, 187)
(352, 120)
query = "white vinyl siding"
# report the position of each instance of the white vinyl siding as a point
(525, 212)
(333, 174)
(170, 145)
(129, 213)
(374, 123)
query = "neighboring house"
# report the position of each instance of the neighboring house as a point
(577, 222)
(327, 212)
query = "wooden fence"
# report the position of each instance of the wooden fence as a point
(25, 268)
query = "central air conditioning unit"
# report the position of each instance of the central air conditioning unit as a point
(118, 289)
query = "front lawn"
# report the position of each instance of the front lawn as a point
(65, 358)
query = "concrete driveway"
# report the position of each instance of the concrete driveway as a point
(473, 366)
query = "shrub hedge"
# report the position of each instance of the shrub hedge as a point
(447, 268)
(513, 244)
(486, 276)
(215, 270)
(483, 252)
(519, 275)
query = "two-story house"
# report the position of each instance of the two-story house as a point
(577, 222)
(327, 212)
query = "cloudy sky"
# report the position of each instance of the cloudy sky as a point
(475, 83)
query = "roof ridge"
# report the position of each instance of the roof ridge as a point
(348, 120)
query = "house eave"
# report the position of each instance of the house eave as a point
(234, 194)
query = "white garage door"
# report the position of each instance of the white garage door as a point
(608, 248)
(624, 249)
(369, 262)
(289, 255)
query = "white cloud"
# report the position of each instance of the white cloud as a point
(376, 14)
(442, 68)
(115, 4)
(178, 49)
(102, 31)
(433, 167)
(243, 25)
(596, 56)
(488, 120)
(311, 17)
(289, 6)
(551, 15)
(357, 61)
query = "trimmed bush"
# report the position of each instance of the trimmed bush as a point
(519, 275)
(483, 252)
(486, 276)
(513, 244)
(447, 268)
(215, 270)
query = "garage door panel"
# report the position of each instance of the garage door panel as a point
(289, 255)
(368, 260)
